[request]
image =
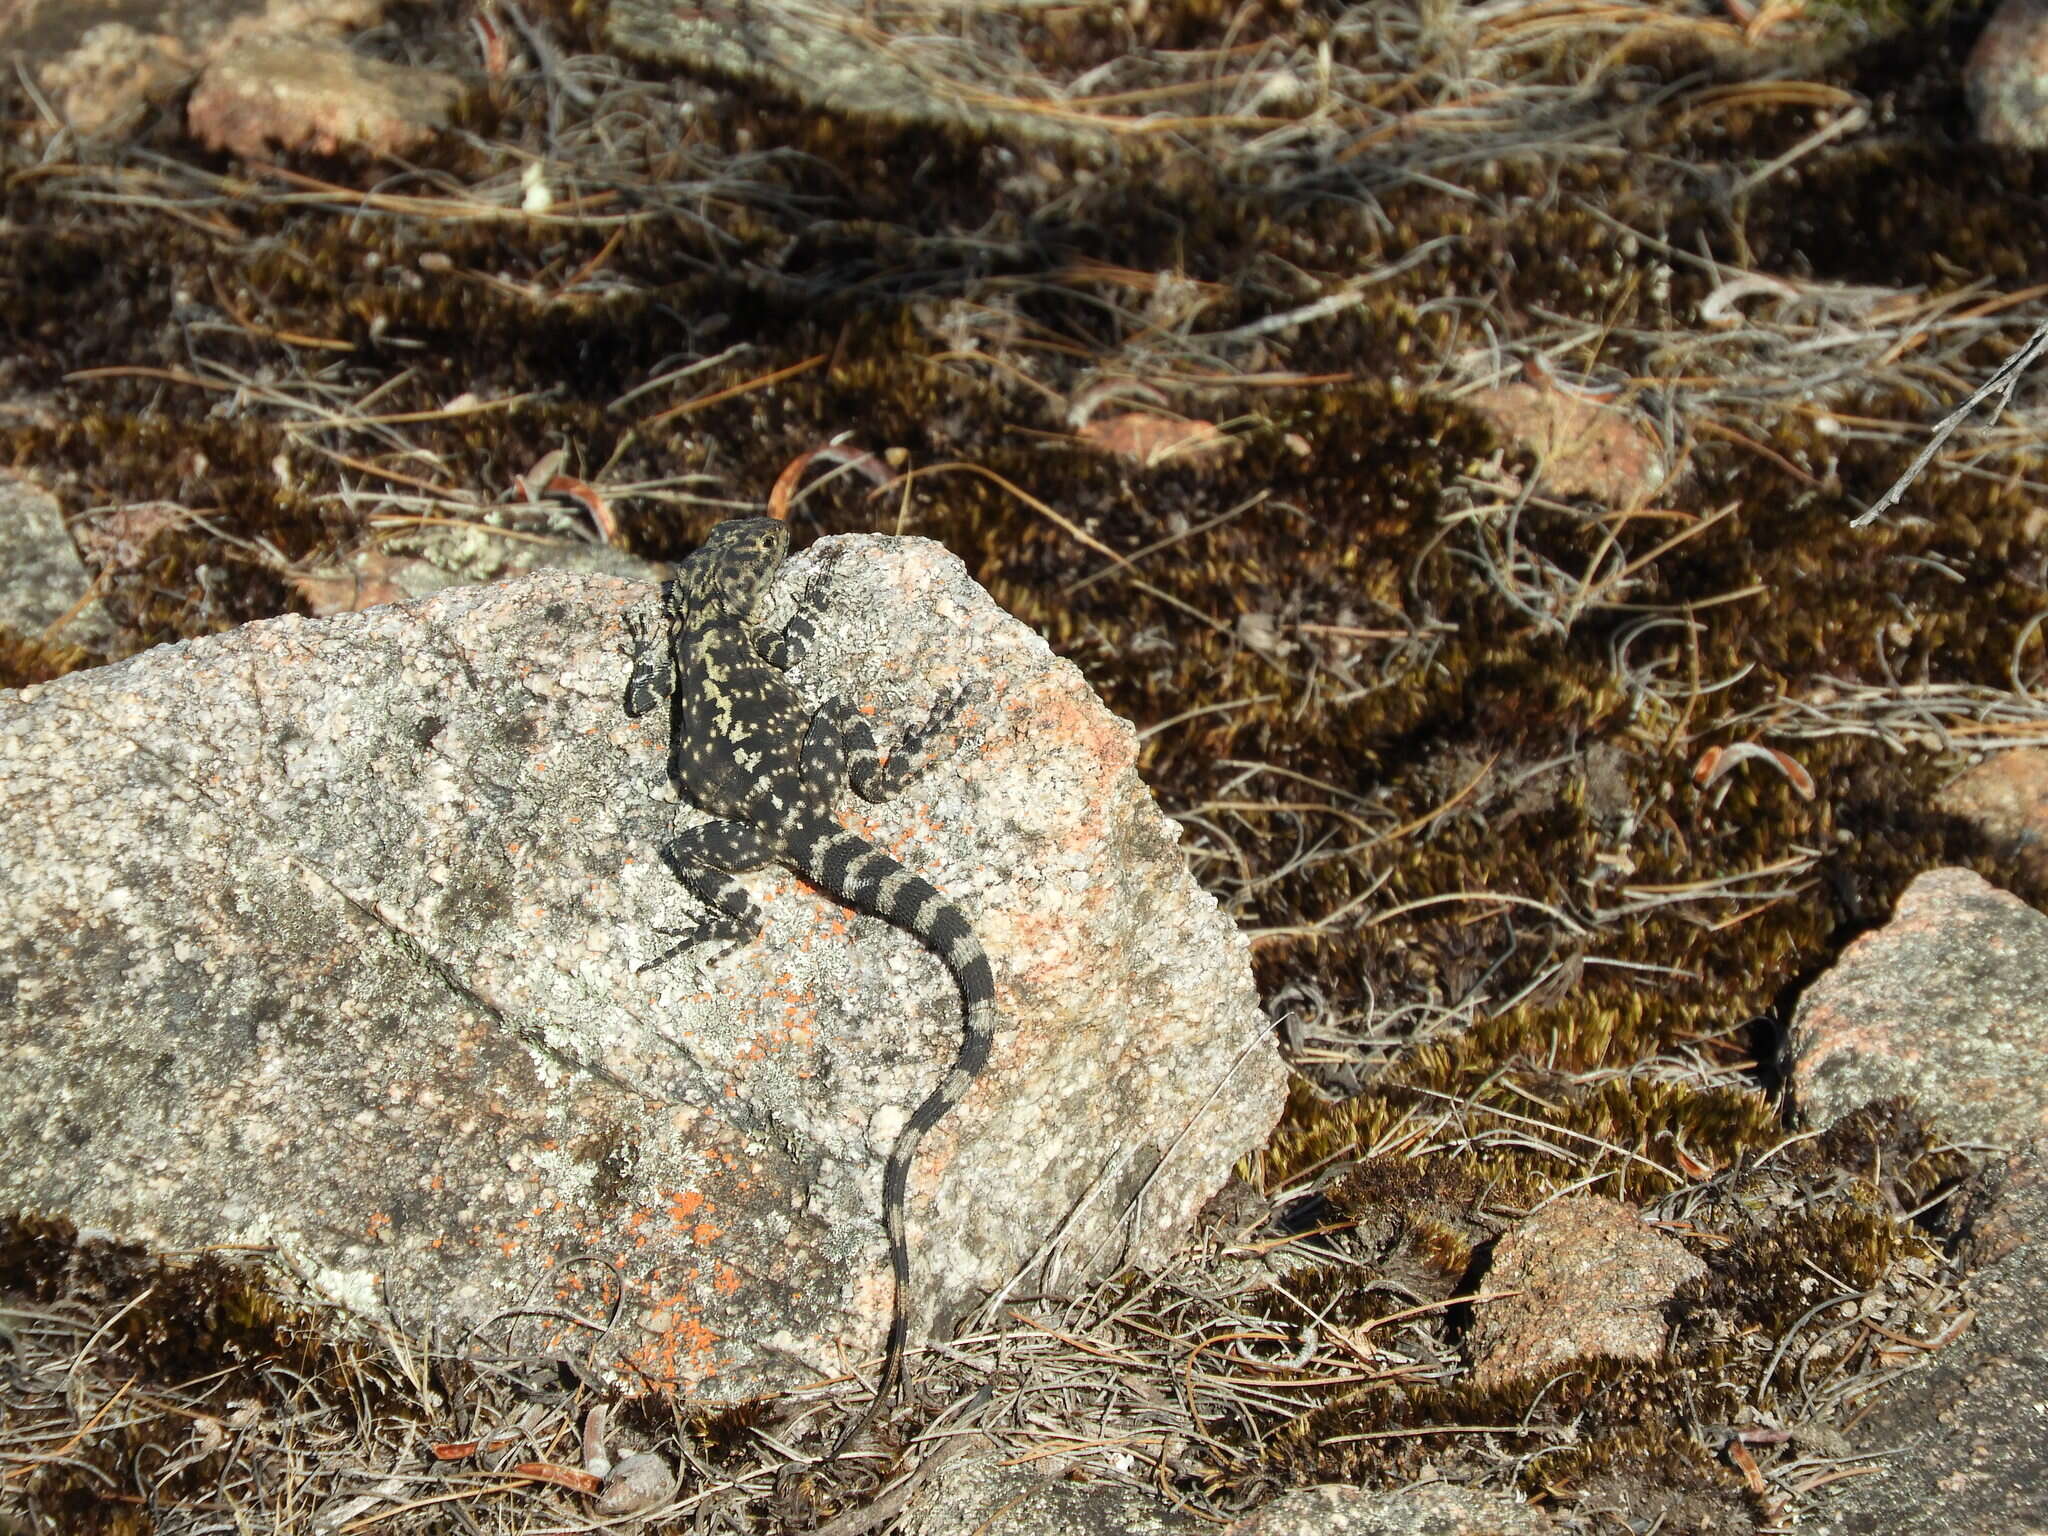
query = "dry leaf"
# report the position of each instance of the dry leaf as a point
(1152, 440)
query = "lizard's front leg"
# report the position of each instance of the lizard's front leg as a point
(653, 680)
(785, 649)
(705, 859)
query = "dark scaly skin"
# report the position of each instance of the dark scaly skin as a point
(744, 748)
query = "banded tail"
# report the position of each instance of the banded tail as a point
(867, 879)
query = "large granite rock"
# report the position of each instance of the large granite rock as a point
(1948, 1002)
(325, 934)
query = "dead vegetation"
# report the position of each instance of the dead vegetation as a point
(1539, 808)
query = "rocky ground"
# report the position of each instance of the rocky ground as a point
(1444, 432)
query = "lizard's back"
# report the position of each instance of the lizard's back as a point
(741, 752)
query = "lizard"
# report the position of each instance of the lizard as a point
(743, 747)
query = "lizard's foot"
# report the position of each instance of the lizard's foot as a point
(944, 712)
(653, 678)
(786, 647)
(876, 780)
(688, 939)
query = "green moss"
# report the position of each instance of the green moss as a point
(1652, 1474)
(1569, 1423)
(180, 1320)
(26, 659)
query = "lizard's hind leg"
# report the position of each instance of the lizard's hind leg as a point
(872, 778)
(705, 859)
(784, 648)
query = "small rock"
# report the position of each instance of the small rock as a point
(1594, 1278)
(2006, 798)
(42, 581)
(100, 72)
(1582, 448)
(305, 94)
(1435, 1509)
(2006, 78)
(637, 1483)
(111, 71)
(1947, 1003)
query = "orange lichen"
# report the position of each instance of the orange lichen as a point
(683, 1205)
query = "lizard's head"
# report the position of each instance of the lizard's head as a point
(736, 563)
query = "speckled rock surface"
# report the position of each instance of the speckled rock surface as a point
(42, 581)
(1437, 1509)
(991, 1499)
(832, 58)
(324, 934)
(1593, 1278)
(1948, 1002)
(985, 1492)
